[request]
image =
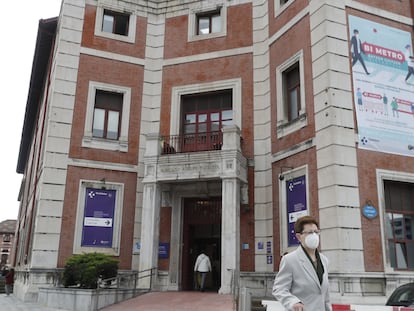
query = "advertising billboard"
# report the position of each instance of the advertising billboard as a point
(383, 86)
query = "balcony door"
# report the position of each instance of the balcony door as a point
(203, 117)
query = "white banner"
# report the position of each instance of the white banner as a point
(383, 86)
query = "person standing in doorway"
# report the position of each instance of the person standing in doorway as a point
(201, 268)
(302, 281)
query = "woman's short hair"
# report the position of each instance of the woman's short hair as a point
(302, 221)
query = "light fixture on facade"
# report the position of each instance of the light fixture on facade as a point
(282, 170)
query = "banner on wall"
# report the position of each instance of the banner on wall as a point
(98, 218)
(296, 205)
(383, 87)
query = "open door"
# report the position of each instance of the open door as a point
(201, 230)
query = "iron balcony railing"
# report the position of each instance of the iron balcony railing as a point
(192, 142)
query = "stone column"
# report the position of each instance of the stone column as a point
(151, 108)
(230, 234)
(150, 230)
(150, 216)
(336, 154)
(175, 247)
(263, 184)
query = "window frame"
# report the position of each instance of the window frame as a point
(383, 175)
(107, 108)
(284, 126)
(210, 15)
(88, 140)
(281, 7)
(117, 223)
(398, 234)
(7, 237)
(116, 16)
(130, 37)
(179, 91)
(203, 107)
(292, 85)
(193, 23)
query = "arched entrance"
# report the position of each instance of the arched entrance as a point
(201, 229)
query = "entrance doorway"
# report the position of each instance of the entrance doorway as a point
(201, 230)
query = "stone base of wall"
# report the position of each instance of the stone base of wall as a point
(82, 299)
(27, 282)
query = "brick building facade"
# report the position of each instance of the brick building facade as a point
(156, 128)
(7, 231)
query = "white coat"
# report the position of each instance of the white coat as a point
(202, 263)
(297, 281)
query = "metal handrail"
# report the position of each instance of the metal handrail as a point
(235, 287)
(192, 142)
(135, 275)
(125, 282)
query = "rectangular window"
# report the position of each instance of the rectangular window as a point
(291, 82)
(6, 238)
(399, 205)
(107, 115)
(290, 95)
(115, 22)
(203, 117)
(208, 23)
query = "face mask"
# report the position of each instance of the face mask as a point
(312, 240)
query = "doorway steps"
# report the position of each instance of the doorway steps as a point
(176, 301)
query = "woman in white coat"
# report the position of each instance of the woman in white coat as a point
(302, 281)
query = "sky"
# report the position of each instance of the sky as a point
(19, 32)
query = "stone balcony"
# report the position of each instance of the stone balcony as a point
(166, 160)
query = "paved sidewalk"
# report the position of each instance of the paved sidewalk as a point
(11, 303)
(154, 301)
(176, 301)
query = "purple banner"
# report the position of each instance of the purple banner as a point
(296, 205)
(98, 218)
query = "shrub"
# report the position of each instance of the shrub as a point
(85, 270)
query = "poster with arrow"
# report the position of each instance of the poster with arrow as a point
(296, 205)
(98, 218)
